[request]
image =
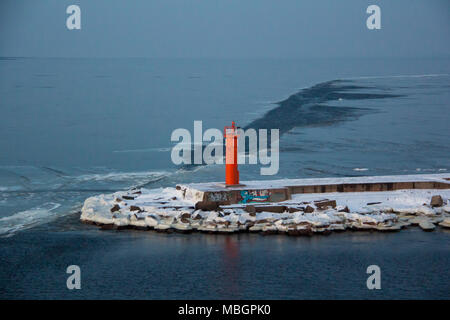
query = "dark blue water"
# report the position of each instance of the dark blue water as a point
(149, 265)
(73, 128)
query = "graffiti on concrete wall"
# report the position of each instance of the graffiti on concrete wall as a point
(217, 196)
(247, 196)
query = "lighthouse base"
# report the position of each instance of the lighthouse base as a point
(224, 185)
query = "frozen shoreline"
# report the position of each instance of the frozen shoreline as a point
(177, 209)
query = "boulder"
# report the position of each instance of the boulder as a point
(346, 209)
(151, 221)
(250, 209)
(426, 225)
(206, 206)
(135, 208)
(309, 209)
(436, 201)
(445, 223)
(115, 208)
(128, 197)
(185, 217)
(257, 227)
(267, 230)
(299, 231)
(323, 204)
(181, 227)
(197, 216)
(389, 228)
(274, 209)
(109, 226)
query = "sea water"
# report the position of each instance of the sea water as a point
(73, 128)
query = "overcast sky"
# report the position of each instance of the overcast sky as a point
(224, 28)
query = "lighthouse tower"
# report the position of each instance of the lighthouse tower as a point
(231, 165)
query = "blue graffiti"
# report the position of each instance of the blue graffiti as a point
(247, 197)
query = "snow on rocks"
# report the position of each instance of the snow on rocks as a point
(445, 223)
(176, 209)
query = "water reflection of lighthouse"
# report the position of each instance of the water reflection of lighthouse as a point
(231, 267)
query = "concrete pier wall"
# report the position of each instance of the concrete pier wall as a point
(211, 194)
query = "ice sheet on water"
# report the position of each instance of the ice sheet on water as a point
(27, 219)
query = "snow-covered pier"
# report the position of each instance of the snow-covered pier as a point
(281, 190)
(290, 206)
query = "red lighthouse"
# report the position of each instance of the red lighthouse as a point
(231, 165)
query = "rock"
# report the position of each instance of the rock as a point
(185, 217)
(133, 217)
(118, 200)
(436, 201)
(197, 217)
(210, 228)
(267, 230)
(250, 209)
(362, 226)
(323, 204)
(436, 219)
(181, 227)
(338, 227)
(274, 209)
(299, 231)
(162, 227)
(138, 223)
(128, 197)
(281, 228)
(292, 210)
(256, 227)
(445, 223)
(427, 211)
(229, 229)
(135, 208)
(406, 217)
(403, 223)
(395, 227)
(426, 225)
(309, 209)
(109, 226)
(151, 221)
(346, 209)
(125, 227)
(372, 203)
(206, 206)
(416, 220)
(122, 221)
(178, 187)
(88, 222)
(137, 192)
(115, 208)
